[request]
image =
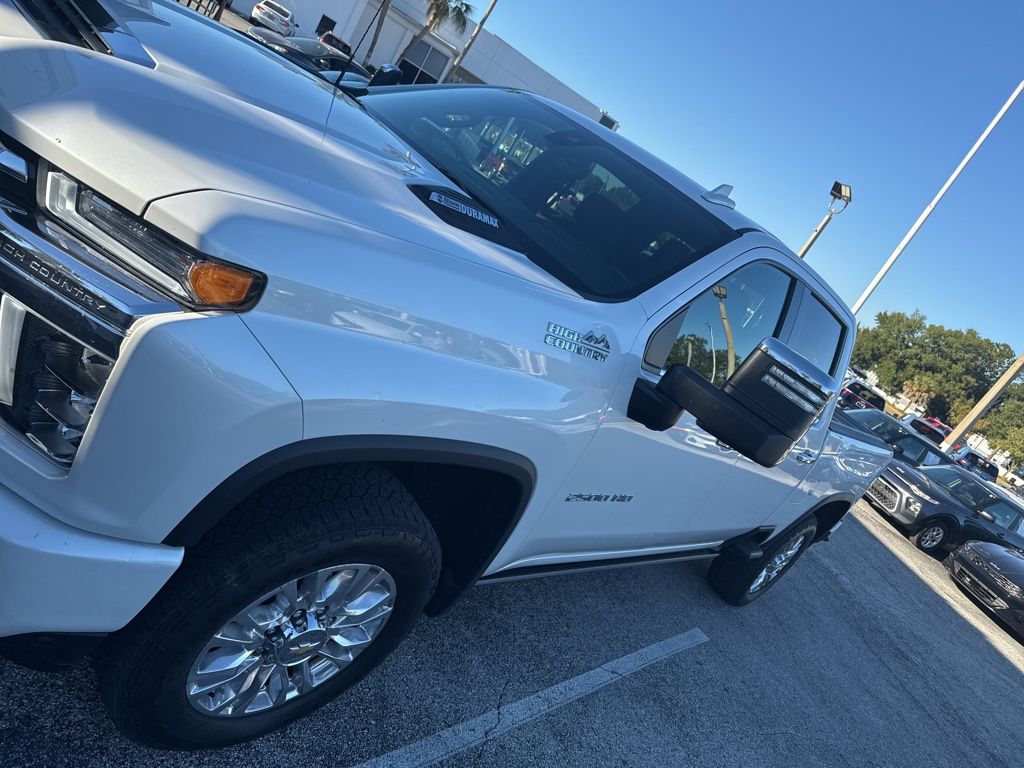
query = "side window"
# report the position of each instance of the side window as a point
(1004, 514)
(818, 334)
(932, 458)
(718, 329)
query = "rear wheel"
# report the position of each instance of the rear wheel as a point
(739, 582)
(305, 589)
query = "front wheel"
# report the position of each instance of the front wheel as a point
(305, 589)
(739, 582)
(931, 537)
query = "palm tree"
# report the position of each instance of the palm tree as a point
(382, 15)
(472, 39)
(454, 12)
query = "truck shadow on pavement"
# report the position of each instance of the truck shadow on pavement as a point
(866, 654)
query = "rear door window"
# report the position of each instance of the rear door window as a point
(818, 334)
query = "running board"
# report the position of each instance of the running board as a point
(558, 569)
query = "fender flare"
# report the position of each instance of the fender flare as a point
(322, 451)
(835, 498)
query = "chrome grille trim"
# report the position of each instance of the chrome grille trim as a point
(12, 320)
(13, 164)
(885, 494)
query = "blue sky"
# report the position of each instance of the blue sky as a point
(779, 99)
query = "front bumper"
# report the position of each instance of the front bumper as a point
(977, 583)
(888, 498)
(55, 578)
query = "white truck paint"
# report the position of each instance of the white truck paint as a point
(383, 330)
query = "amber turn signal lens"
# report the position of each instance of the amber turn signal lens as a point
(220, 285)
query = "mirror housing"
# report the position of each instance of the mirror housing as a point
(386, 74)
(765, 407)
(984, 514)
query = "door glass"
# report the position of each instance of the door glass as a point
(1005, 515)
(723, 325)
(817, 334)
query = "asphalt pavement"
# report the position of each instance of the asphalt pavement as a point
(866, 654)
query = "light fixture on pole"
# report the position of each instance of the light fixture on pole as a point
(840, 193)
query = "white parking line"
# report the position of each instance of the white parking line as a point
(492, 724)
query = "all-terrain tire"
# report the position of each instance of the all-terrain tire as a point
(736, 580)
(307, 521)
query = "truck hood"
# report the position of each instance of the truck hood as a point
(138, 134)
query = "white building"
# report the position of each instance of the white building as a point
(490, 60)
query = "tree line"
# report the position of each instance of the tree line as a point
(945, 369)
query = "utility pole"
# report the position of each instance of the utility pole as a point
(722, 293)
(935, 201)
(472, 39)
(986, 402)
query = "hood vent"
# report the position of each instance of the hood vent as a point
(76, 22)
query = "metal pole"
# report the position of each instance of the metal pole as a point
(986, 402)
(816, 234)
(472, 39)
(935, 201)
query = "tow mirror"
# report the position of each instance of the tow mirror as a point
(765, 407)
(386, 74)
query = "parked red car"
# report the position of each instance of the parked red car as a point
(945, 429)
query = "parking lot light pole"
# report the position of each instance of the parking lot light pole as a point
(840, 193)
(935, 201)
(985, 403)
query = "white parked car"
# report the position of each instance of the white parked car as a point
(274, 16)
(280, 370)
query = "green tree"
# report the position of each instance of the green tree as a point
(954, 367)
(1004, 424)
(454, 12)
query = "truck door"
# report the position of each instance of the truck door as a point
(637, 492)
(755, 493)
(999, 531)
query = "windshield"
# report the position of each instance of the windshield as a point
(960, 486)
(927, 430)
(578, 207)
(277, 9)
(311, 46)
(866, 394)
(913, 448)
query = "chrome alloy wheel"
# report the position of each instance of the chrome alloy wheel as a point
(931, 536)
(291, 640)
(771, 571)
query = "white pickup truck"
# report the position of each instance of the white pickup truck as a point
(281, 369)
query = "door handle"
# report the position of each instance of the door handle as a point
(806, 457)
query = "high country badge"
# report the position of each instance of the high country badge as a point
(586, 345)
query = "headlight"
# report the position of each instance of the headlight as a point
(921, 494)
(193, 279)
(914, 506)
(1010, 588)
